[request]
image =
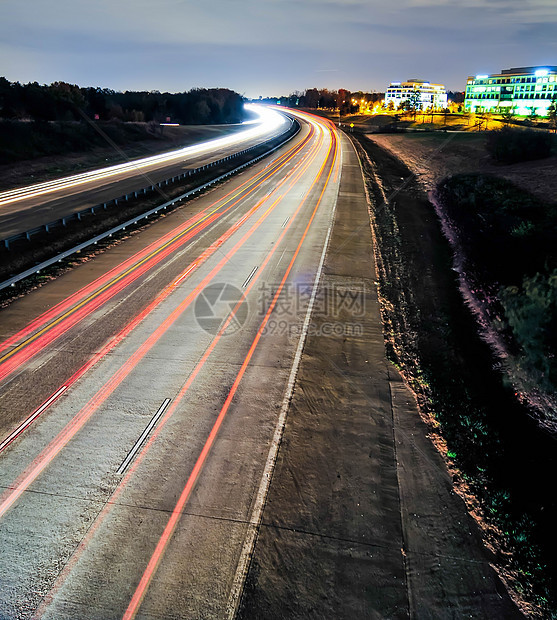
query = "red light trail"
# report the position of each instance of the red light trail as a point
(57, 444)
(179, 507)
(169, 412)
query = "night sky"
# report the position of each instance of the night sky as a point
(271, 47)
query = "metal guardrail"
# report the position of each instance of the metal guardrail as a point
(134, 194)
(290, 133)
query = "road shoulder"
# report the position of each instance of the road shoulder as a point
(361, 519)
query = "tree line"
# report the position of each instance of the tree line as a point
(345, 101)
(61, 101)
(323, 98)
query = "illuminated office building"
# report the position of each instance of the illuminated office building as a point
(524, 90)
(429, 96)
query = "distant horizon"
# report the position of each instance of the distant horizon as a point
(278, 92)
(186, 89)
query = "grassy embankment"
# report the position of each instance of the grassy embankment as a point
(427, 122)
(31, 152)
(505, 461)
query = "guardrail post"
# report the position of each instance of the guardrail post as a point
(7, 244)
(46, 227)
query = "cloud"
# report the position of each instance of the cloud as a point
(251, 42)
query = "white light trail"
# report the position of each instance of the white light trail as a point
(268, 122)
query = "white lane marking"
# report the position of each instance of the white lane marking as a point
(193, 266)
(32, 417)
(281, 257)
(285, 222)
(147, 430)
(261, 497)
(248, 279)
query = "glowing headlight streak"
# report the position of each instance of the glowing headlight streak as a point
(281, 161)
(58, 320)
(269, 122)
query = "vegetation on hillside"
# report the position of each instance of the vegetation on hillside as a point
(510, 243)
(22, 141)
(531, 313)
(505, 461)
(513, 145)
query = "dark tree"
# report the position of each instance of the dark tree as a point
(66, 102)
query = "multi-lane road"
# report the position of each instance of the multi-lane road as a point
(201, 422)
(141, 393)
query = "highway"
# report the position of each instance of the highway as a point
(140, 395)
(28, 207)
(201, 422)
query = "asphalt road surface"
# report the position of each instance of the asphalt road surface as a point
(143, 397)
(361, 519)
(25, 208)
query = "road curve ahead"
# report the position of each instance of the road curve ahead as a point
(140, 394)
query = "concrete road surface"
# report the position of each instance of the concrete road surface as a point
(142, 401)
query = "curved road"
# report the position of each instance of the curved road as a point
(144, 396)
(157, 417)
(25, 208)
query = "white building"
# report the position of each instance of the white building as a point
(522, 90)
(428, 95)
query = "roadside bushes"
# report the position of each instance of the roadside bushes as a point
(531, 313)
(506, 232)
(506, 459)
(509, 145)
(509, 241)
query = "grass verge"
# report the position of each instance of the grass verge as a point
(503, 464)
